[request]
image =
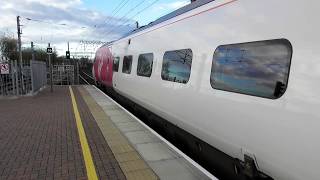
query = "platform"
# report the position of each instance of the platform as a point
(80, 133)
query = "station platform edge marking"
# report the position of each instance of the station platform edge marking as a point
(91, 171)
(131, 163)
(191, 161)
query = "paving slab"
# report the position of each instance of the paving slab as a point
(141, 137)
(39, 139)
(129, 126)
(174, 169)
(122, 118)
(156, 151)
(131, 163)
(161, 159)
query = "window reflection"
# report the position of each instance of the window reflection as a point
(145, 62)
(176, 65)
(116, 64)
(255, 68)
(127, 64)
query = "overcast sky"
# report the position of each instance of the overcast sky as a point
(60, 21)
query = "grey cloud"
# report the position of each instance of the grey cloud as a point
(74, 18)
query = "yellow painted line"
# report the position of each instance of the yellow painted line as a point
(131, 163)
(91, 171)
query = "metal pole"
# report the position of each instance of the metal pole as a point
(20, 52)
(78, 72)
(16, 75)
(50, 67)
(66, 55)
(44, 75)
(31, 69)
(12, 78)
(19, 40)
(32, 51)
(32, 77)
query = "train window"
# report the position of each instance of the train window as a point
(127, 64)
(256, 68)
(116, 64)
(176, 65)
(144, 67)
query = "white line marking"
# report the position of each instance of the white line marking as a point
(84, 80)
(87, 75)
(163, 139)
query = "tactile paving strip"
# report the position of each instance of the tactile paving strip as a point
(131, 163)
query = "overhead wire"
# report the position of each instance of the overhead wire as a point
(108, 19)
(116, 12)
(132, 9)
(54, 24)
(51, 23)
(128, 19)
(117, 6)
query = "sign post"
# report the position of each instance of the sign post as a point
(49, 52)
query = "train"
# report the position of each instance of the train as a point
(237, 82)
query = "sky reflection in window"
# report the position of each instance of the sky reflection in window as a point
(176, 65)
(255, 68)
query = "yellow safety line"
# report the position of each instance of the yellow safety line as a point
(91, 171)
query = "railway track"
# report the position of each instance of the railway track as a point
(86, 78)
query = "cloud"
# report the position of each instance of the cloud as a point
(59, 21)
(57, 3)
(254, 67)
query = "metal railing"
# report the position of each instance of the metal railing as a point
(28, 80)
(64, 74)
(8, 82)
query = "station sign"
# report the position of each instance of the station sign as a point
(4, 68)
(49, 50)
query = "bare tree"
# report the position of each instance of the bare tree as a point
(8, 48)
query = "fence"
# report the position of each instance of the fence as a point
(8, 81)
(63, 74)
(38, 75)
(27, 81)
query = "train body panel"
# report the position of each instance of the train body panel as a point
(282, 134)
(102, 68)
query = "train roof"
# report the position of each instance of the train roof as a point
(171, 15)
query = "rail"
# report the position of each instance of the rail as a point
(83, 79)
(86, 78)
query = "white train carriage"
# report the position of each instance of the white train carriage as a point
(241, 75)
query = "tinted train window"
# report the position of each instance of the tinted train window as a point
(116, 64)
(127, 64)
(145, 62)
(255, 68)
(176, 65)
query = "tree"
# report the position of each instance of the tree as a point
(8, 48)
(39, 55)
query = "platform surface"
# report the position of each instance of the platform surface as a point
(41, 138)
